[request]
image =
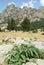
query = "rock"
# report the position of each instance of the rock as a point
(21, 41)
(4, 49)
(6, 30)
(13, 31)
(30, 63)
(12, 40)
(7, 38)
(38, 44)
(3, 28)
(40, 62)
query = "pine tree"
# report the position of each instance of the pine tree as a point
(26, 24)
(11, 24)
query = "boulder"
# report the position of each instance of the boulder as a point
(40, 62)
(30, 63)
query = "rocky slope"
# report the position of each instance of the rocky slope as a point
(20, 14)
(41, 8)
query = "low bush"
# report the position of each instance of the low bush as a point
(42, 33)
(22, 53)
(35, 31)
(0, 30)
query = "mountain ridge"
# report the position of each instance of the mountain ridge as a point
(12, 11)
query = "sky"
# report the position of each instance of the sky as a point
(21, 3)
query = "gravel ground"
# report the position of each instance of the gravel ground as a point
(5, 48)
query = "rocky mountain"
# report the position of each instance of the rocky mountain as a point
(41, 8)
(19, 14)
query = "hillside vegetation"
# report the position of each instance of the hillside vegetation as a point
(26, 25)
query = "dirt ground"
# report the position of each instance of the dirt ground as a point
(38, 35)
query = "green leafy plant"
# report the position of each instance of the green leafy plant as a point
(22, 53)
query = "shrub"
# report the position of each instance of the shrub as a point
(22, 53)
(37, 24)
(25, 24)
(42, 29)
(0, 30)
(35, 31)
(42, 33)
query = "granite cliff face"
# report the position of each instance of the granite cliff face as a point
(17, 13)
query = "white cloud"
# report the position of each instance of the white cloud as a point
(29, 4)
(24, 4)
(42, 2)
(11, 3)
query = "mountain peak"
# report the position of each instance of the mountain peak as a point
(11, 3)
